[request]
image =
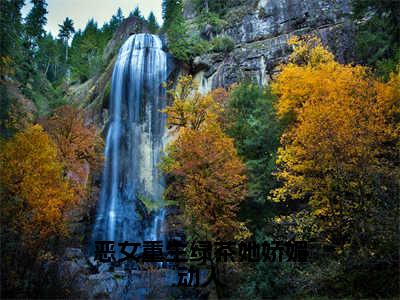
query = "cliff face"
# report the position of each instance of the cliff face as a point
(260, 31)
(93, 94)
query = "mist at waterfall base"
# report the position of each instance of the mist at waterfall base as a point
(134, 143)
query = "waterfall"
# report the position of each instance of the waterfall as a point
(134, 144)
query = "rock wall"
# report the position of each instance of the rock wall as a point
(260, 31)
(93, 95)
(81, 277)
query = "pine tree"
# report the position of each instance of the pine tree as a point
(119, 15)
(10, 53)
(109, 28)
(87, 50)
(172, 13)
(137, 13)
(10, 34)
(181, 44)
(50, 56)
(152, 24)
(35, 22)
(116, 19)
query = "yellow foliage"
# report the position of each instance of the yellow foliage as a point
(209, 178)
(190, 108)
(308, 50)
(210, 181)
(6, 66)
(318, 77)
(343, 132)
(37, 194)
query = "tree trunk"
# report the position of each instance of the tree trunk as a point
(47, 67)
(66, 51)
(206, 5)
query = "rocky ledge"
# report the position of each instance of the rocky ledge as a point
(87, 279)
(260, 31)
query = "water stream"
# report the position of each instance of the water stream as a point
(134, 143)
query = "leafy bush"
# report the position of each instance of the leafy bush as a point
(222, 44)
(200, 46)
(183, 46)
(211, 19)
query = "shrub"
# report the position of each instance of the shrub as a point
(211, 19)
(222, 44)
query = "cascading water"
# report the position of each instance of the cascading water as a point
(134, 144)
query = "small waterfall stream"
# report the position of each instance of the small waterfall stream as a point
(134, 144)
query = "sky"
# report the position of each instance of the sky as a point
(80, 11)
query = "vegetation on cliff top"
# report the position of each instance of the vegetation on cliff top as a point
(185, 43)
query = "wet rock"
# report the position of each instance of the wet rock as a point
(103, 267)
(73, 262)
(71, 253)
(101, 285)
(93, 263)
(78, 276)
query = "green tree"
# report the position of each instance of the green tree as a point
(109, 28)
(137, 13)
(50, 58)
(10, 54)
(87, 49)
(119, 16)
(172, 13)
(116, 19)
(182, 44)
(35, 22)
(251, 121)
(152, 24)
(218, 7)
(10, 35)
(378, 38)
(65, 33)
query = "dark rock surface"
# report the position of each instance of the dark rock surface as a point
(260, 31)
(87, 279)
(270, 18)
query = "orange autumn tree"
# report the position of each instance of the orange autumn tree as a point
(340, 151)
(35, 196)
(208, 178)
(79, 145)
